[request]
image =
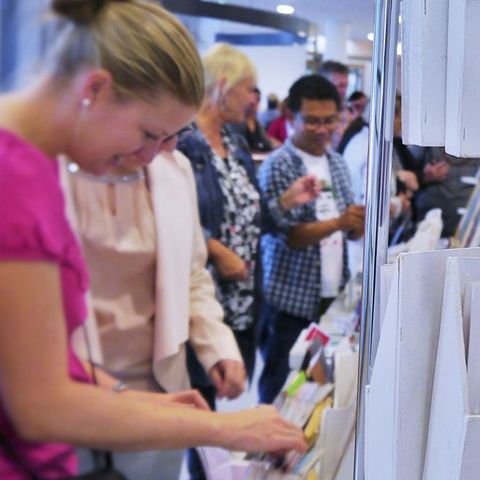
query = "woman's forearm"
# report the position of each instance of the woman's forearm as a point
(86, 415)
(44, 404)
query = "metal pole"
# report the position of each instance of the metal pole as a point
(377, 201)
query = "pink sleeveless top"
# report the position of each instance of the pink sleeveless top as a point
(33, 227)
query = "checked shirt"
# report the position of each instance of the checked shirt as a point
(292, 277)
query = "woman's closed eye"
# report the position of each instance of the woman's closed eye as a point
(150, 136)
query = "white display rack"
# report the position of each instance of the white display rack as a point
(399, 396)
(439, 78)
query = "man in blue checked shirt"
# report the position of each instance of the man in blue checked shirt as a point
(303, 250)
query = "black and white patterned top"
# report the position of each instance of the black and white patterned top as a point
(240, 232)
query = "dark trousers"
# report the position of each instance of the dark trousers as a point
(282, 330)
(199, 380)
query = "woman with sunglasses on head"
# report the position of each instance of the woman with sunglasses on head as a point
(118, 73)
(229, 201)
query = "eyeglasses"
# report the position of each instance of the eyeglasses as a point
(311, 121)
(181, 134)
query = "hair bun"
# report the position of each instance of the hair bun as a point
(79, 11)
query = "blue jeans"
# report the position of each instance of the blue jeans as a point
(282, 331)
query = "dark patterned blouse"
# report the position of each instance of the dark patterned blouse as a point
(239, 231)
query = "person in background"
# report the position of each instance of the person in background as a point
(228, 196)
(304, 253)
(355, 156)
(229, 202)
(442, 186)
(357, 103)
(280, 128)
(337, 73)
(252, 130)
(435, 177)
(272, 111)
(95, 76)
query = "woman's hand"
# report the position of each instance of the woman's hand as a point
(228, 376)
(303, 190)
(228, 264)
(231, 267)
(260, 429)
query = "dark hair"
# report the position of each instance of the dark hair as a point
(272, 101)
(357, 95)
(311, 87)
(79, 11)
(331, 66)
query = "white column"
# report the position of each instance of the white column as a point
(336, 36)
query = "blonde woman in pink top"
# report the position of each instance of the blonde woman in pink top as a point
(122, 79)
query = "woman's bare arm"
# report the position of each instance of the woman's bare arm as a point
(44, 404)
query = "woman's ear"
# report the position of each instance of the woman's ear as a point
(96, 86)
(218, 94)
(222, 90)
(222, 86)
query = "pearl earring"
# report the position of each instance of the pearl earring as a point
(86, 102)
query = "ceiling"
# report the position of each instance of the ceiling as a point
(357, 14)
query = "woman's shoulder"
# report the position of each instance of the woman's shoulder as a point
(22, 164)
(31, 199)
(194, 146)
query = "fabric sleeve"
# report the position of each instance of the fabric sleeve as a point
(274, 179)
(211, 339)
(30, 223)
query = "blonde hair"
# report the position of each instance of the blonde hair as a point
(145, 48)
(222, 61)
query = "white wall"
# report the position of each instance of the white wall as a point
(277, 67)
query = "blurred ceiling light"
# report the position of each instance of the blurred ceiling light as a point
(370, 36)
(285, 9)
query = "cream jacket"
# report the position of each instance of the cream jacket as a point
(185, 304)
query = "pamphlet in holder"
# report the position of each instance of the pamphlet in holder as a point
(399, 395)
(454, 429)
(337, 427)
